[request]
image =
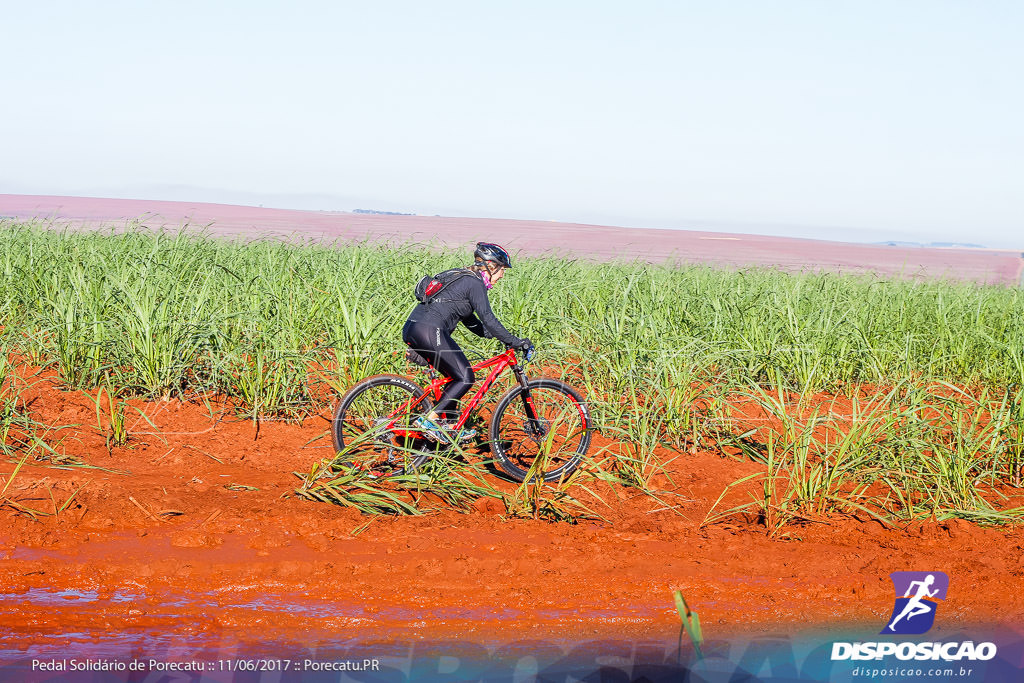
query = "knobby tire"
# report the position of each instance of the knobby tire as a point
(561, 438)
(360, 435)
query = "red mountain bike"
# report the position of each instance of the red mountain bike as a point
(538, 419)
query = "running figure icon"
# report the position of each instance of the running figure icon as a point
(916, 606)
(917, 596)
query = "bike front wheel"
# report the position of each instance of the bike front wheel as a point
(552, 442)
(373, 426)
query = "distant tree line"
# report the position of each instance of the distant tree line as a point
(383, 213)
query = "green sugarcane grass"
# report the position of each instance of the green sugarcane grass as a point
(691, 625)
(250, 318)
(445, 476)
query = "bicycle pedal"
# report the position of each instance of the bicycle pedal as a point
(429, 435)
(454, 436)
(467, 435)
(448, 438)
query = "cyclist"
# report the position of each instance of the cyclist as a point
(428, 332)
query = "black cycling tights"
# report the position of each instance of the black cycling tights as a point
(438, 347)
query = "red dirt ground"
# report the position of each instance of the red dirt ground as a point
(160, 541)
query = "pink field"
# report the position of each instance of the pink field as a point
(601, 243)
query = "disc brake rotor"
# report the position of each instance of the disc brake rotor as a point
(537, 429)
(385, 438)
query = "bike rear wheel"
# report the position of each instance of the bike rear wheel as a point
(372, 427)
(555, 442)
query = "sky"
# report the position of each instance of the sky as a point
(862, 120)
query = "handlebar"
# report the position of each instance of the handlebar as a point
(527, 353)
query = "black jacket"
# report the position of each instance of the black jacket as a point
(465, 301)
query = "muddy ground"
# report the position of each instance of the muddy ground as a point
(193, 529)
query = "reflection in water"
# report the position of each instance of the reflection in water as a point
(168, 623)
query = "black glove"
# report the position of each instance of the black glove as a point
(524, 344)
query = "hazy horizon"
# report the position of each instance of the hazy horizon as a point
(330, 204)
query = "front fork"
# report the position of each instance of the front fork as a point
(524, 382)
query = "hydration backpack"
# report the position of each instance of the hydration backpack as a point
(429, 286)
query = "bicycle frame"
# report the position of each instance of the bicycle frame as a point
(498, 365)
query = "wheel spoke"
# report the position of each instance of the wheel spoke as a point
(373, 428)
(553, 442)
